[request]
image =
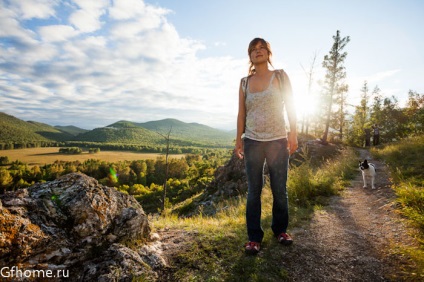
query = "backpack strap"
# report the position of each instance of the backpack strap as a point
(244, 83)
(280, 77)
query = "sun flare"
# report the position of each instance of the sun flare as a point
(306, 106)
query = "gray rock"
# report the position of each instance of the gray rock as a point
(74, 223)
(230, 179)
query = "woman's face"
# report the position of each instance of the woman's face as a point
(259, 53)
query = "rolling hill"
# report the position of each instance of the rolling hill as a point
(73, 130)
(50, 132)
(14, 130)
(132, 135)
(193, 133)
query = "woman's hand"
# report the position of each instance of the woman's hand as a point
(239, 150)
(292, 143)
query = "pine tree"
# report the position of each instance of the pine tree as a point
(376, 116)
(415, 112)
(360, 123)
(334, 86)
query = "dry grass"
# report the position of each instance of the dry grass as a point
(42, 156)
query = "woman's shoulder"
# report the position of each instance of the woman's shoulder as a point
(280, 71)
(244, 80)
(281, 74)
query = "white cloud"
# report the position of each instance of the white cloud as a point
(92, 5)
(29, 9)
(54, 33)
(126, 30)
(134, 9)
(376, 77)
(85, 21)
(87, 18)
(11, 28)
(126, 9)
(220, 44)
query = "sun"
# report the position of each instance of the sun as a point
(306, 106)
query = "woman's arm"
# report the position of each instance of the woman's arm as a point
(291, 113)
(241, 120)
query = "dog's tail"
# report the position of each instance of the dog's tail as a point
(375, 168)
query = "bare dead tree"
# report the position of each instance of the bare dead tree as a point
(309, 75)
(167, 140)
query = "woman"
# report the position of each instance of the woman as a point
(263, 96)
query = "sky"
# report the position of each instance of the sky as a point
(90, 63)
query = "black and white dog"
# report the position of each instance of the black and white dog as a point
(368, 170)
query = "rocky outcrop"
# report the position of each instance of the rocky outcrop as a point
(230, 179)
(74, 223)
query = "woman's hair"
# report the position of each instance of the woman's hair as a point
(252, 46)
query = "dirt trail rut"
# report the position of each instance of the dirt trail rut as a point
(351, 239)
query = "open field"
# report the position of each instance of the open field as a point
(41, 156)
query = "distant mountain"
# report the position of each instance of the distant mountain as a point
(233, 132)
(50, 132)
(13, 129)
(189, 132)
(73, 130)
(124, 135)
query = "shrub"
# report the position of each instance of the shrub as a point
(94, 150)
(306, 183)
(70, 150)
(4, 160)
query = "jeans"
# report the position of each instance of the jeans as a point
(276, 155)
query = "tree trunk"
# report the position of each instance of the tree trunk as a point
(167, 138)
(327, 121)
(166, 175)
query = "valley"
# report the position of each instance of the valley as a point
(48, 155)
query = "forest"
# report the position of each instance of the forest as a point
(144, 179)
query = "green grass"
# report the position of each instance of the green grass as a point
(309, 185)
(405, 160)
(216, 252)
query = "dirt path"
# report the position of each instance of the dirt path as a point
(351, 239)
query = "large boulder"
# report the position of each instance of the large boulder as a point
(230, 180)
(74, 223)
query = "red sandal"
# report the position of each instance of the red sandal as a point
(285, 239)
(252, 248)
